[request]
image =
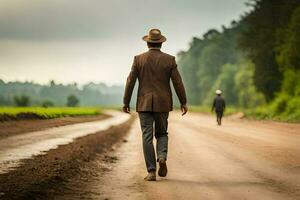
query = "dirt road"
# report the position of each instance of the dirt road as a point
(239, 160)
(242, 159)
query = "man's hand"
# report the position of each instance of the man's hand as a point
(126, 109)
(184, 109)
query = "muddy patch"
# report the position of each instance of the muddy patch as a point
(51, 175)
(14, 127)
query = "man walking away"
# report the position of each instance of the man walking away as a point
(154, 70)
(219, 106)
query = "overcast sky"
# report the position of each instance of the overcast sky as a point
(95, 40)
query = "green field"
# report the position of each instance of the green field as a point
(46, 113)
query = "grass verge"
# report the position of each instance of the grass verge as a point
(11, 113)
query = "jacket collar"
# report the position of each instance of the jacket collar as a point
(154, 49)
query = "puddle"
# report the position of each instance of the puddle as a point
(15, 148)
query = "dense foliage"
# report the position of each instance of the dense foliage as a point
(72, 101)
(255, 61)
(22, 100)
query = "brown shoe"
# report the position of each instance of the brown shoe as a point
(163, 170)
(151, 176)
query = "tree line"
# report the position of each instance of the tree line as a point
(255, 61)
(53, 94)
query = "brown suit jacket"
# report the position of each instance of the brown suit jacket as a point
(154, 70)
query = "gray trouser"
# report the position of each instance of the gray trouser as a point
(160, 122)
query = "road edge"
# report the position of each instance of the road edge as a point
(44, 176)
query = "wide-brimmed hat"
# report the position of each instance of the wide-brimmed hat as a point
(154, 36)
(218, 92)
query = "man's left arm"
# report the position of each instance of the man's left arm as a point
(179, 87)
(131, 79)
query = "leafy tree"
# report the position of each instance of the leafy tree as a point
(52, 83)
(289, 51)
(264, 25)
(22, 101)
(225, 82)
(210, 34)
(268, 38)
(287, 102)
(202, 64)
(189, 67)
(72, 101)
(47, 103)
(247, 94)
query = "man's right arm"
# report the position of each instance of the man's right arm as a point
(131, 79)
